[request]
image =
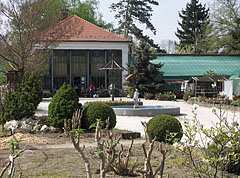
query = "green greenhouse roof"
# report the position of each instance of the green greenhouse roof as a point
(197, 65)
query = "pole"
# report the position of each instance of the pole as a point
(113, 88)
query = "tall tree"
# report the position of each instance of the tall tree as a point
(194, 21)
(131, 12)
(147, 74)
(225, 27)
(87, 10)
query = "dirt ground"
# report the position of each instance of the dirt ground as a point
(51, 155)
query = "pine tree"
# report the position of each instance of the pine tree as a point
(130, 11)
(146, 72)
(195, 19)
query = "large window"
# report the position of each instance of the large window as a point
(61, 68)
(79, 63)
(117, 56)
(97, 61)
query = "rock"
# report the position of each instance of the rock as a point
(37, 128)
(11, 125)
(54, 130)
(30, 121)
(44, 128)
(26, 127)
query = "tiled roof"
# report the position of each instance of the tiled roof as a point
(76, 29)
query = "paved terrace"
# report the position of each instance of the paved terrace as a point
(133, 123)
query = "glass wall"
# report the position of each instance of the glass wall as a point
(97, 61)
(80, 69)
(79, 65)
(117, 56)
(61, 69)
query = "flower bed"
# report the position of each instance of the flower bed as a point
(215, 102)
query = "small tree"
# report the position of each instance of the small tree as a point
(24, 101)
(146, 72)
(62, 106)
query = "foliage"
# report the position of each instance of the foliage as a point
(224, 27)
(130, 12)
(219, 145)
(194, 21)
(62, 106)
(98, 110)
(168, 96)
(162, 126)
(87, 10)
(23, 33)
(11, 163)
(24, 101)
(236, 102)
(43, 120)
(211, 73)
(33, 86)
(187, 95)
(148, 96)
(145, 71)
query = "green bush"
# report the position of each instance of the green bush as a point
(62, 106)
(97, 110)
(160, 126)
(24, 101)
(186, 96)
(33, 86)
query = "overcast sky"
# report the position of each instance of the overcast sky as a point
(164, 19)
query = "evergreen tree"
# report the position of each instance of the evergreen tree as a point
(146, 72)
(131, 11)
(195, 19)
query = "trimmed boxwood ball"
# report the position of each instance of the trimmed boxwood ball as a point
(62, 106)
(97, 110)
(160, 125)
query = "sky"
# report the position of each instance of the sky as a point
(164, 19)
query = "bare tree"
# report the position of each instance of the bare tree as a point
(168, 46)
(27, 37)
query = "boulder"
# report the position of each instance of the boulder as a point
(44, 128)
(11, 125)
(26, 127)
(37, 128)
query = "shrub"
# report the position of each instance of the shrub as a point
(148, 96)
(33, 86)
(97, 110)
(62, 106)
(187, 95)
(24, 101)
(160, 126)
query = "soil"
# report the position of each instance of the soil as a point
(52, 155)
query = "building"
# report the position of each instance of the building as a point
(80, 53)
(179, 69)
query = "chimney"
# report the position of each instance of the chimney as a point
(63, 12)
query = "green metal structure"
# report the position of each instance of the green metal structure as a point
(186, 66)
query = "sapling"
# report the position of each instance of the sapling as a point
(148, 171)
(12, 157)
(219, 145)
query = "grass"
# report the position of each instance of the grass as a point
(3, 133)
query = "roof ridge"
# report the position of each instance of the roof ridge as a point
(101, 28)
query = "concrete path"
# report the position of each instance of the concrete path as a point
(133, 123)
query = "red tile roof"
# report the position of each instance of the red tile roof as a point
(76, 29)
